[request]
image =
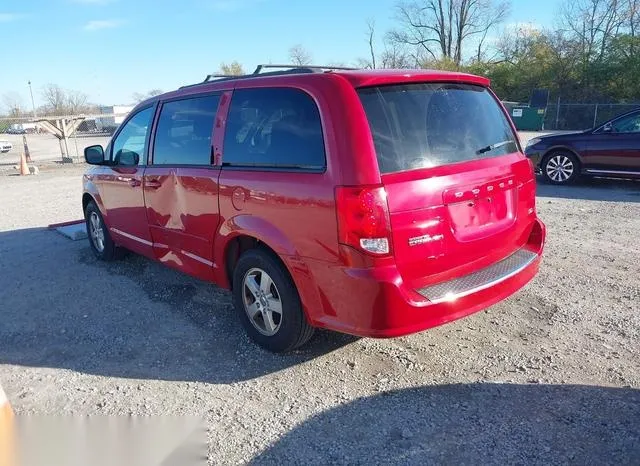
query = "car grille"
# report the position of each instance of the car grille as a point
(489, 276)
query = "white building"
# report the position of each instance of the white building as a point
(114, 115)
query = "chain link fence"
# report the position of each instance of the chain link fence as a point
(568, 117)
(57, 137)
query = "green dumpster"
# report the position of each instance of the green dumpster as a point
(528, 118)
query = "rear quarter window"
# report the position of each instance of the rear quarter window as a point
(428, 125)
(273, 128)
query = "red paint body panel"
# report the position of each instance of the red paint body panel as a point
(182, 213)
(122, 197)
(269, 207)
(468, 215)
(392, 309)
(365, 78)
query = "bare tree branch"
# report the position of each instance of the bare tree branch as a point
(299, 55)
(138, 97)
(59, 101)
(13, 103)
(371, 30)
(443, 28)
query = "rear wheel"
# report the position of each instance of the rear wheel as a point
(561, 167)
(268, 303)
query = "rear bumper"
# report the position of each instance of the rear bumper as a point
(377, 303)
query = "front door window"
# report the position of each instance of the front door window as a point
(130, 144)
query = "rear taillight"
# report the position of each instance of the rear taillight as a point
(363, 218)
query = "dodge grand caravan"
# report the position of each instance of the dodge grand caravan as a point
(376, 203)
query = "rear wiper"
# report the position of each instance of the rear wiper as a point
(493, 146)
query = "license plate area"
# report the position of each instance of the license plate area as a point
(478, 211)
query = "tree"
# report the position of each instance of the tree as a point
(13, 103)
(299, 56)
(138, 97)
(371, 31)
(234, 68)
(394, 54)
(593, 55)
(55, 99)
(442, 29)
(59, 101)
(76, 102)
(593, 23)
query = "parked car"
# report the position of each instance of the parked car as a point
(376, 203)
(16, 129)
(611, 149)
(5, 146)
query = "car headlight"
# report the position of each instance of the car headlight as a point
(533, 142)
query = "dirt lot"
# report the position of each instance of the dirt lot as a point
(550, 376)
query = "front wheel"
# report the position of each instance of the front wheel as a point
(268, 303)
(561, 167)
(99, 238)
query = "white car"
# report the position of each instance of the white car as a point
(5, 146)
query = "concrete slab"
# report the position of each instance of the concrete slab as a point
(74, 231)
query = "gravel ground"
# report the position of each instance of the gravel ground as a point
(552, 375)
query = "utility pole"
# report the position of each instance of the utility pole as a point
(33, 104)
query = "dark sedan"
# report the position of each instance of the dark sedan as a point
(612, 149)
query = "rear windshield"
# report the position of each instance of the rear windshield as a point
(428, 125)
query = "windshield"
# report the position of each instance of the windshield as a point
(429, 125)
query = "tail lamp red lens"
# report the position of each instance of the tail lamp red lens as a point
(363, 218)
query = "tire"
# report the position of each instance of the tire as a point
(561, 167)
(99, 238)
(261, 287)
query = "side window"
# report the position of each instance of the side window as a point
(630, 124)
(183, 133)
(130, 143)
(276, 127)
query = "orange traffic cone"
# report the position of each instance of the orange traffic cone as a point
(24, 168)
(6, 432)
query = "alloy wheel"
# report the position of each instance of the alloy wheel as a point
(560, 168)
(262, 302)
(96, 231)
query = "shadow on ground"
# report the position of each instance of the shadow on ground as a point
(593, 189)
(134, 318)
(471, 424)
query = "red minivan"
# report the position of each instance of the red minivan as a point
(373, 202)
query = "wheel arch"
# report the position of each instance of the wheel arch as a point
(560, 148)
(232, 241)
(91, 194)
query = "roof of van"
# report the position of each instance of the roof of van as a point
(357, 78)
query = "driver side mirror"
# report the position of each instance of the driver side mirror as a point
(94, 155)
(608, 128)
(127, 158)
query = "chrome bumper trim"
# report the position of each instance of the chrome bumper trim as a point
(480, 280)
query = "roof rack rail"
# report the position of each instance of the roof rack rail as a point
(280, 70)
(209, 77)
(301, 67)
